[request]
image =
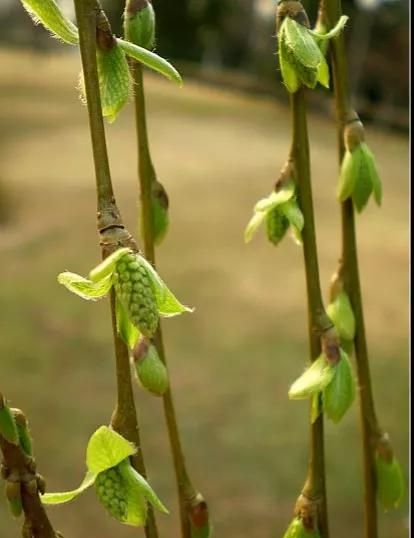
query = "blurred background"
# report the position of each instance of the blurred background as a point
(218, 144)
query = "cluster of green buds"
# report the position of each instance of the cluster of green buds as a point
(328, 381)
(302, 61)
(279, 211)
(111, 52)
(150, 371)
(389, 476)
(359, 175)
(141, 296)
(123, 492)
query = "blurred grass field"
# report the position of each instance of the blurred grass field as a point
(232, 360)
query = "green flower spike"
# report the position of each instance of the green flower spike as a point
(390, 481)
(278, 212)
(123, 492)
(141, 295)
(334, 381)
(359, 176)
(114, 75)
(297, 530)
(139, 23)
(302, 62)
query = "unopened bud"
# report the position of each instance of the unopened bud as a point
(150, 370)
(139, 23)
(8, 428)
(14, 497)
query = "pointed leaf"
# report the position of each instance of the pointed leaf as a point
(349, 174)
(315, 407)
(276, 198)
(168, 305)
(375, 179)
(336, 30)
(67, 496)
(106, 449)
(363, 182)
(342, 316)
(253, 225)
(302, 44)
(287, 69)
(151, 60)
(339, 394)
(323, 73)
(107, 266)
(313, 380)
(85, 288)
(126, 329)
(293, 213)
(138, 482)
(48, 13)
(390, 482)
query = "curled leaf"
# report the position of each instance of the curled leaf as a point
(106, 448)
(107, 266)
(151, 60)
(313, 380)
(67, 496)
(85, 288)
(48, 13)
(138, 482)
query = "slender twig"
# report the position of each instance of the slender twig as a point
(330, 12)
(111, 229)
(20, 468)
(314, 492)
(189, 500)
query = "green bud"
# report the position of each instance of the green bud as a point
(134, 288)
(342, 316)
(150, 370)
(390, 481)
(8, 428)
(139, 23)
(297, 530)
(339, 394)
(14, 497)
(359, 176)
(25, 438)
(159, 207)
(313, 380)
(276, 225)
(111, 492)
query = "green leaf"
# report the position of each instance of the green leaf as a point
(313, 380)
(339, 394)
(168, 305)
(151, 60)
(106, 449)
(48, 13)
(363, 182)
(375, 179)
(349, 173)
(342, 316)
(293, 213)
(85, 288)
(289, 76)
(276, 198)
(126, 329)
(8, 427)
(253, 225)
(297, 530)
(336, 30)
(67, 496)
(301, 44)
(115, 81)
(390, 482)
(107, 266)
(323, 72)
(315, 410)
(276, 225)
(138, 483)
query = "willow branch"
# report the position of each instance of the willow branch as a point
(93, 28)
(190, 501)
(330, 11)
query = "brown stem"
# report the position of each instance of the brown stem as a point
(112, 231)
